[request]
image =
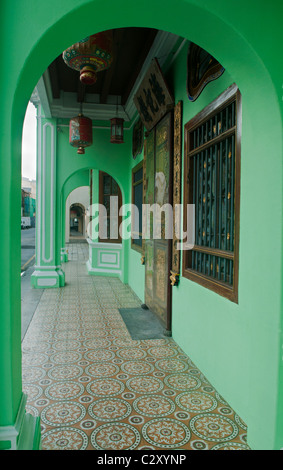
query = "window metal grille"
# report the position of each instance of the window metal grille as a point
(212, 185)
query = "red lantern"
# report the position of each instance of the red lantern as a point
(91, 55)
(117, 131)
(80, 135)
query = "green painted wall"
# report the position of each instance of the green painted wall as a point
(238, 347)
(102, 155)
(80, 178)
(232, 344)
(202, 321)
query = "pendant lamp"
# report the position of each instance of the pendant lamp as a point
(80, 132)
(90, 55)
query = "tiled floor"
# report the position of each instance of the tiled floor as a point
(96, 388)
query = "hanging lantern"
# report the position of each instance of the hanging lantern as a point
(91, 55)
(80, 134)
(117, 131)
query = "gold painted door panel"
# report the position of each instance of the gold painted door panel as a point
(158, 190)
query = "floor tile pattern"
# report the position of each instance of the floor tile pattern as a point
(96, 388)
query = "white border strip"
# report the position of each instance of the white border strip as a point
(38, 187)
(52, 168)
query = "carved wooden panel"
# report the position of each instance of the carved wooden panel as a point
(153, 98)
(158, 189)
(177, 169)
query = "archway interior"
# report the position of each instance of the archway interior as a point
(241, 67)
(112, 95)
(76, 220)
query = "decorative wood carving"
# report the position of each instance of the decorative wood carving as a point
(153, 98)
(144, 194)
(138, 138)
(174, 278)
(158, 190)
(177, 166)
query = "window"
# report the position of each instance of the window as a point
(137, 200)
(212, 184)
(109, 187)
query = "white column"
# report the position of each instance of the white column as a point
(48, 272)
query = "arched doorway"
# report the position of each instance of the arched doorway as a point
(76, 219)
(241, 56)
(77, 222)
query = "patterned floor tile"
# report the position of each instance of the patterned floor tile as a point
(96, 388)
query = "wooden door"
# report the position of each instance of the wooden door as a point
(158, 190)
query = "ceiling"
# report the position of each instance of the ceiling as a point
(61, 92)
(130, 49)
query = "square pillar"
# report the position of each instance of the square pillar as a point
(48, 272)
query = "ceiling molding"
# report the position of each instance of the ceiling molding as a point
(40, 96)
(91, 110)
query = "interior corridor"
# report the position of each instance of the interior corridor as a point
(96, 388)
